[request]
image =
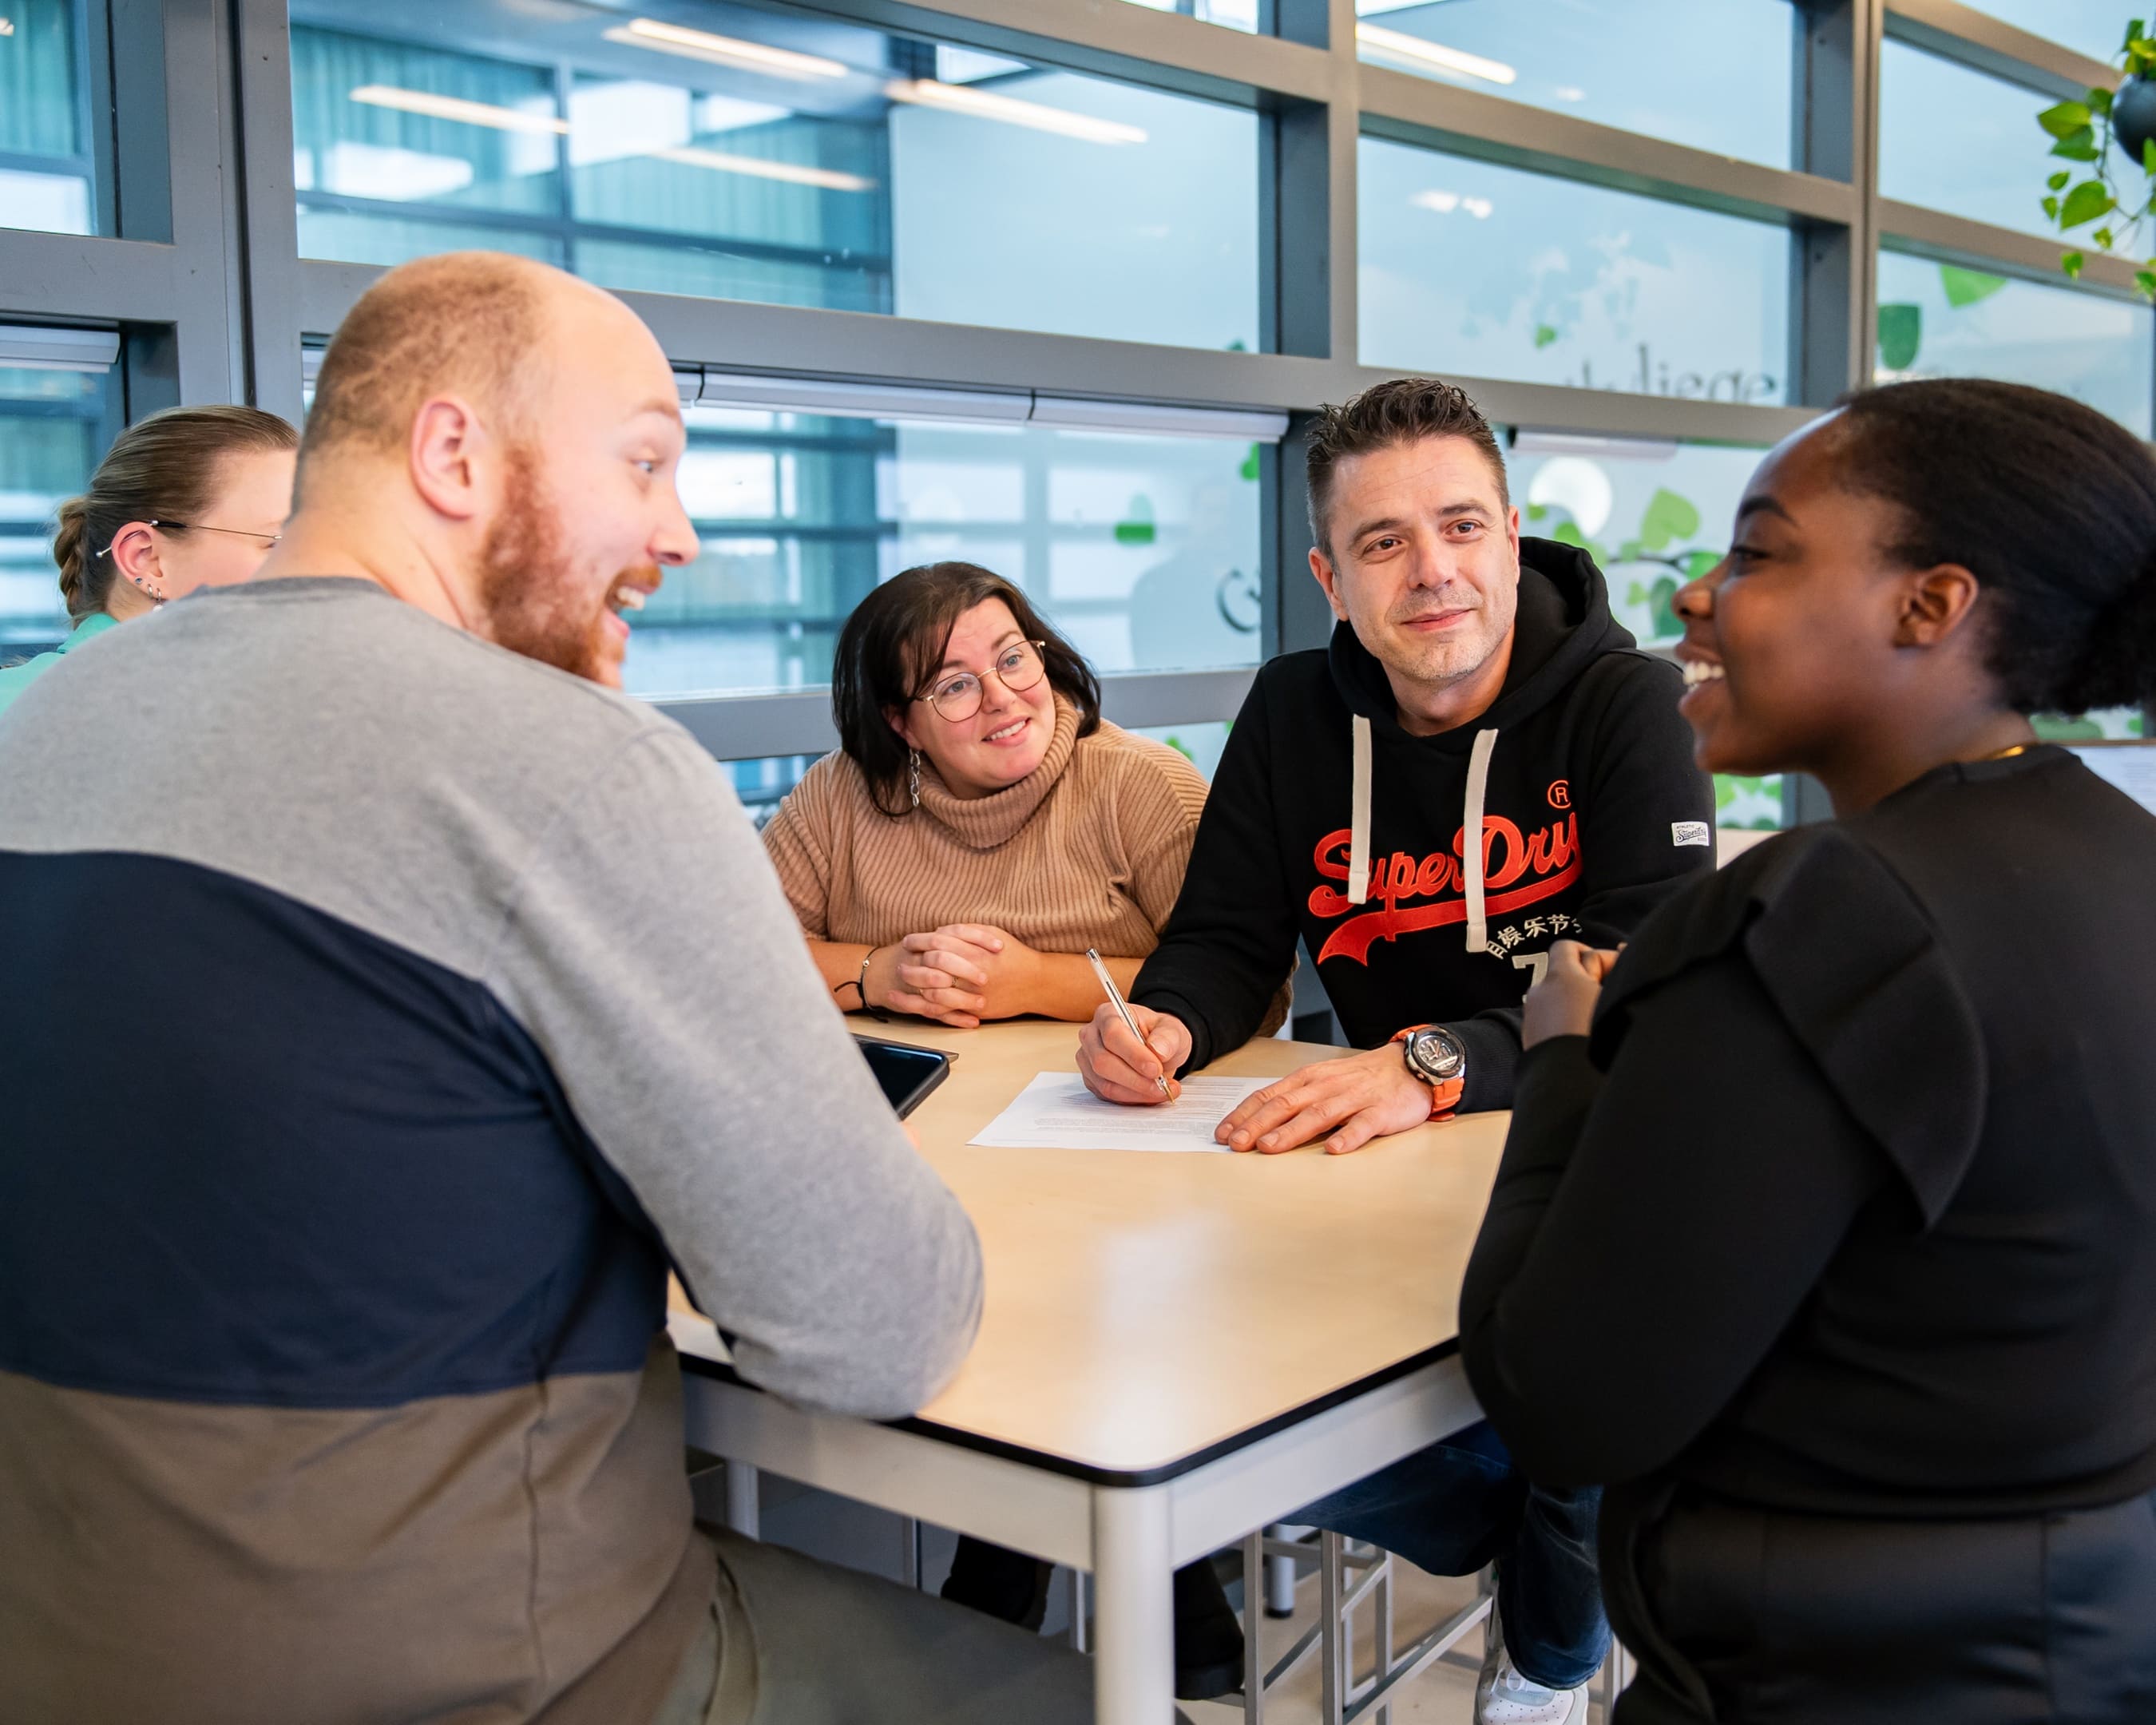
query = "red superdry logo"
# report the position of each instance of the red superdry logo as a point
(1549, 859)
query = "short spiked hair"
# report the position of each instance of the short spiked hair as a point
(1404, 410)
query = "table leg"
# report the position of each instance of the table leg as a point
(742, 1513)
(1133, 1608)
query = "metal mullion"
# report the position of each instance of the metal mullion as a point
(1988, 44)
(202, 363)
(1132, 43)
(1955, 239)
(268, 203)
(67, 277)
(1465, 122)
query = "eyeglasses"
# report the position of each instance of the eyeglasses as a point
(1018, 668)
(199, 527)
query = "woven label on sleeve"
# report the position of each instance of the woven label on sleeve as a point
(1691, 832)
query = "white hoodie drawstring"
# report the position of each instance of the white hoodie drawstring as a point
(1471, 828)
(1358, 818)
(1470, 843)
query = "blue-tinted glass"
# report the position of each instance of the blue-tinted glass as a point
(1939, 321)
(45, 171)
(1958, 141)
(1230, 15)
(1142, 551)
(743, 153)
(2095, 27)
(53, 429)
(1199, 744)
(1666, 68)
(1492, 271)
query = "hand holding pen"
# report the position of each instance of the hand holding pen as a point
(1122, 1041)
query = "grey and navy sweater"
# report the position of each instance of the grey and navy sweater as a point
(383, 1012)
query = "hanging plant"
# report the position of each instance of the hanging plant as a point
(2085, 131)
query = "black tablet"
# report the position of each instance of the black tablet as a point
(907, 1073)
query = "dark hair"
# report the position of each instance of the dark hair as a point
(1404, 410)
(2048, 503)
(891, 645)
(163, 468)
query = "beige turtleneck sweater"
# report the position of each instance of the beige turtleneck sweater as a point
(1086, 851)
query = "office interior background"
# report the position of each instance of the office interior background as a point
(1050, 284)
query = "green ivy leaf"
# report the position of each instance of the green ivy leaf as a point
(2057, 182)
(2087, 202)
(1544, 335)
(2149, 155)
(1696, 563)
(1249, 469)
(1669, 518)
(2051, 209)
(2080, 147)
(1630, 552)
(2071, 263)
(2103, 237)
(2063, 118)
(1900, 333)
(2145, 280)
(2132, 34)
(2100, 100)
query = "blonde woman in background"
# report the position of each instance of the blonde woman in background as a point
(190, 497)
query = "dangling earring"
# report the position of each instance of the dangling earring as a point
(913, 774)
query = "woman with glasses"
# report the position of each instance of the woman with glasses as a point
(980, 825)
(190, 497)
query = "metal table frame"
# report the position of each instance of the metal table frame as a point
(1131, 1531)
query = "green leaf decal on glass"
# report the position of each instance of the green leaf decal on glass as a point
(1965, 287)
(1544, 335)
(1137, 528)
(1538, 512)
(2063, 118)
(1669, 518)
(1696, 563)
(1900, 333)
(1249, 469)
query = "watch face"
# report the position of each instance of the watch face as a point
(1438, 1053)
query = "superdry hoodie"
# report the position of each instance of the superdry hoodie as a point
(1329, 821)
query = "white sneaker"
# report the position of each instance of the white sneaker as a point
(1502, 1696)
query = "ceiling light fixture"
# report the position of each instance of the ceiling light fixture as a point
(982, 104)
(791, 173)
(722, 50)
(442, 107)
(1399, 46)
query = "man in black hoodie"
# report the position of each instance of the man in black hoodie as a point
(1475, 681)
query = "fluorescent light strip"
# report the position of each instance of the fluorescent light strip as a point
(1400, 46)
(442, 107)
(722, 50)
(794, 173)
(982, 104)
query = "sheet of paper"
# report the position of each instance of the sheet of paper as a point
(1057, 1112)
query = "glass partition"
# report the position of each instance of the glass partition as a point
(1943, 320)
(1142, 551)
(1958, 141)
(743, 154)
(47, 176)
(53, 428)
(1495, 272)
(1621, 63)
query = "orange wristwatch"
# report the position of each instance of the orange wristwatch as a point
(1434, 1056)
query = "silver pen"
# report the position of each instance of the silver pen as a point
(1123, 1012)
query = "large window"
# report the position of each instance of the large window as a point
(1942, 320)
(46, 176)
(53, 426)
(1143, 551)
(779, 158)
(1955, 140)
(1491, 271)
(1640, 64)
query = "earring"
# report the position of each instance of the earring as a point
(156, 594)
(913, 774)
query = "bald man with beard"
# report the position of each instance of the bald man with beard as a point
(375, 1041)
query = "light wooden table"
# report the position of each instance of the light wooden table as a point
(1175, 1349)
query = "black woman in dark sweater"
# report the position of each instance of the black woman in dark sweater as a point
(1825, 1234)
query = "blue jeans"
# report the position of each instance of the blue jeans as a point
(1458, 1504)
